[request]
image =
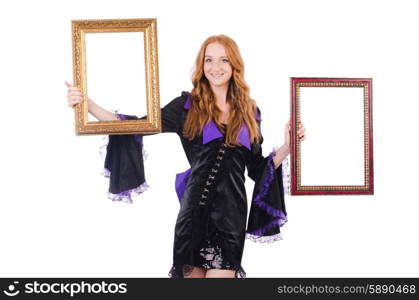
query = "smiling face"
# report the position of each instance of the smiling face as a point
(217, 67)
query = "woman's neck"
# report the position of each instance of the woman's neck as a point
(220, 93)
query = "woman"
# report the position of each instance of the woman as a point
(219, 127)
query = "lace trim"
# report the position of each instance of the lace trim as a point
(213, 258)
(185, 270)
(102, 150)
(210, 257)
(286, 177)
(106, 173)
(264, 239)
(126, 196)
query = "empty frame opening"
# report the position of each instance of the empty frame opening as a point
(115, 71)
(333, 153)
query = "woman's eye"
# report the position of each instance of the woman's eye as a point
(225, 60)
(208, 60)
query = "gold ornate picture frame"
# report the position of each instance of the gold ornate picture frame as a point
(337, 156)
(116, 45)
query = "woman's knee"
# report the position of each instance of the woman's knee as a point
(218, 273)
(193, 272)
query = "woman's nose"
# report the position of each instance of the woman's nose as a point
(216, 65)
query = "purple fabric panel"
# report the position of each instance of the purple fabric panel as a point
(188, 103)
(121, 116)
(244, 136)
(210, 132)
(180, 183)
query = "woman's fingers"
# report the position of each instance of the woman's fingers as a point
(71, 103)
(75, 99)
(75, 94)
(71, 88)
(78, 99)
(301, 132)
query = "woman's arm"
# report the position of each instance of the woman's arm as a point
(280, 155)
(284, 150)
(99, 112)
(75, 96)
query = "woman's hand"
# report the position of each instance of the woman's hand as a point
(74, 95)
(300, 133)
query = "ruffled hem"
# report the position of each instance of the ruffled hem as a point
(264, 239)
(106, 173)
(126, 196)
(264, 191)
(279, 216)
(180, 271)
(258, 235)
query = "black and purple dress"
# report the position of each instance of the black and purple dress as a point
(211, 225)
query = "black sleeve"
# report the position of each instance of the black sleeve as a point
(124, 163)
(267, 212)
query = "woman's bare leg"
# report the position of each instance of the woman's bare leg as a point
(195, 273)
(218, 273)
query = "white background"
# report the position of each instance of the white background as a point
(55, 219)
(116, 60)
(334, 154)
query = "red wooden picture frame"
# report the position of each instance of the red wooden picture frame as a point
(296, 184)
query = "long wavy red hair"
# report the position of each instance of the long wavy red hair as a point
(204, 108)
